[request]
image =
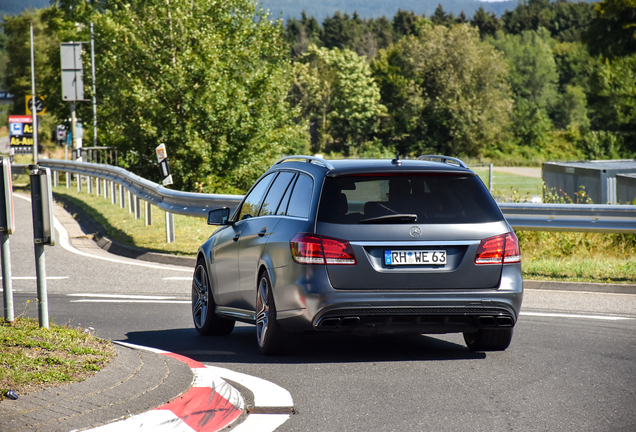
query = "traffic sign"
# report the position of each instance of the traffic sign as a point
(40, 108)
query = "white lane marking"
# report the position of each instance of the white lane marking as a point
(266, 394)
(261, 422)
(35, 277)
(155, 420)
(577, 292)
(131, 301)
(562, 315)
(141, 347)
(65, 242)
(122, 296)
(178, 278)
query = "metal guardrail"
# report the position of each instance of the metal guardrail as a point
(521, 216)
(571, 217)
(185, 203)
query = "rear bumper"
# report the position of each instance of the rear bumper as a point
(323, 308)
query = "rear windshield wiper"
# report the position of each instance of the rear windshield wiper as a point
(392, 218)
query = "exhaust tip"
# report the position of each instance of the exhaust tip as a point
(329, 323)
(486, 321)
(349, 321)
(504, 321)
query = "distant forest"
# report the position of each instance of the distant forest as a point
(379, 8)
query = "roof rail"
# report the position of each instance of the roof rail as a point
(308, 159)
(444, 159)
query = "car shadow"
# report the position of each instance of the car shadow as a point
(240, 347)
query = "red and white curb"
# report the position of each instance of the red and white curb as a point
(211, 404)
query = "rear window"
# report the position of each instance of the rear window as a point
(424, 199)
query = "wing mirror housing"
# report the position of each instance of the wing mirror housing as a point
(219, 216)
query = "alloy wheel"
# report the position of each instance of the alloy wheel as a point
(200, 292)
(262, 310)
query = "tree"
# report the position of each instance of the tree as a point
(533, 79)
(613, 98)
(488, 24)
(339, 98)
(208, 80)
(440, 17)
(612, 32)
(47, 70)
(302, 33)
(408, 23)
(446, 92)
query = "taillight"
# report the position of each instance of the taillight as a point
(500, 249)
(315, 249)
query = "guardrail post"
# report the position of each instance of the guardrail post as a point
(56, 178)
(169, 227)
(79, 183)
(137, 207)
(131, 202)
(99, 186)
(89, 183)
(113, 195)
(105, 188)
(122, 196)
(68, 180)
(148, 213)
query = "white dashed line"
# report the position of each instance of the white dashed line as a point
(562, 315)
(35, 277)
(123, 298)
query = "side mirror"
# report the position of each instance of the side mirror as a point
(219, 216)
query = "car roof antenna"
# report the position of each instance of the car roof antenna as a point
(397, 160)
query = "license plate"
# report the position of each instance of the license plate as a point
(415, 257)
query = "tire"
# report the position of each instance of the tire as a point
(489, 339)
(270, 335)
(206, 322)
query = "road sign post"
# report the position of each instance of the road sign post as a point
(162, 158)
(7, 226)
(43, 232)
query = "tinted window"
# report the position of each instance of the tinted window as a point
(435, 199)
(253, 200)
(276, 192)
(300, 201)
(282, 208)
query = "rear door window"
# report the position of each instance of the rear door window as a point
(276, 192)
(253, 200)
(430, 198)
(300, 200)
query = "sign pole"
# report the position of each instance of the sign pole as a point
(33, 110)
(43, 232)
(7, 226)
(94, 96)
(7, 283)
(73, 126)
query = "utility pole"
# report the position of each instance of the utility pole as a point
(33, 110)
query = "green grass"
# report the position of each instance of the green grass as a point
(33, 358)
(512, 186)
(578, 257)
(121, 225)
(580, 270)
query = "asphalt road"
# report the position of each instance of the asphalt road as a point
(571, 365)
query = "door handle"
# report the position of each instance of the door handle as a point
(262, 232)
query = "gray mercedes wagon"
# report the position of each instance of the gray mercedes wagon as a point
(362, 246)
